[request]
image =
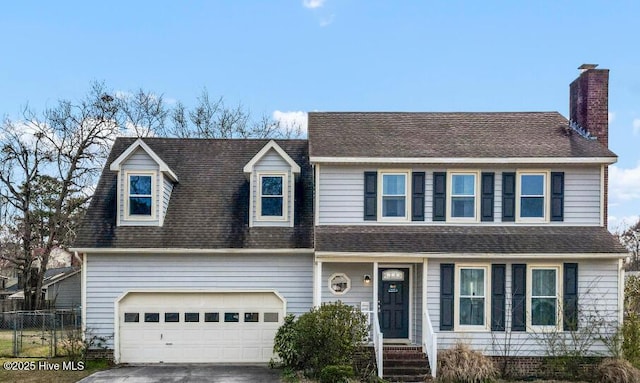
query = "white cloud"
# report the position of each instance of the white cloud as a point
(324, 21)
(636, 126)
(620, 224)
(295, 121)
(624, 184)
(313, 4)
(611, 117)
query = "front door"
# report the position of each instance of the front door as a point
(393, 304)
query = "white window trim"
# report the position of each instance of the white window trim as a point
(476, 204)
(154, 198)
(487, 297)
(285, 199)
(559, 287)
(407, 194)
(547, 192)
(343, 275)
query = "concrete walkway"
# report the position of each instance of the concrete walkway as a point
(183, 373)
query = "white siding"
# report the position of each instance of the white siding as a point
(139, 160)
(598, 295)
(272, 162)
(582, 196)
(341, 191)
(166, 195)
(359, 291)
(109, 276)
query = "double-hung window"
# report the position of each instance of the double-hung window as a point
(472, 299)
(544, 296)
(463, 196)
(272, 200)
(532, 196)
(140, 195)
(394, 200)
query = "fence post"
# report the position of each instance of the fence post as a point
(15, 334)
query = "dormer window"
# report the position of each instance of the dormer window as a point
(272, 197)
(140, 201)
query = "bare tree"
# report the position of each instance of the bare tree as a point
(49, 164)
(630, 238)
(142, 113)
(213, 118)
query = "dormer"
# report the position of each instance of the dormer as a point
(272, 175)
(145, 183)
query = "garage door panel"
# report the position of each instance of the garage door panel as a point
(222, 327)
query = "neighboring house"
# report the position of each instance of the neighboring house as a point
(62, 288)
(454, 226)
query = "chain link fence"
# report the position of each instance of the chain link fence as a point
(36, 333)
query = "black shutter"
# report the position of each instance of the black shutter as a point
(498, 297)
(570, 297)
(370, 196)
(447, 280)
(557, 196)
(439, 196)
(417, 196)
(486, 204)
(508, 197)
(518, 297)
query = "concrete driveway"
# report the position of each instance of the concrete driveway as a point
(183, 373)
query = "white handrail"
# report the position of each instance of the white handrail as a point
(430, 342)
(377, 342)
(376, 337)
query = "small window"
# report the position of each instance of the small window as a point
(171, 317)
(394, 195)
(544, 296)
(192, 317)
(140, 195)
(151, 317)
(251, 317)
(339, 284)
(472, 296)
(211, 317)
(463, 195)
(532, 196)
(272, 199)
(131, 317)
(232, 317)
(271, 317)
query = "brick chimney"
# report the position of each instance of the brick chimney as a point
(589, 107)
(589, 101)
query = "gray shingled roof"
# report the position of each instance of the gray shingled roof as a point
(467, 239)
(209, 207)
(432, 135)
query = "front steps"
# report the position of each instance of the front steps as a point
(405, 364)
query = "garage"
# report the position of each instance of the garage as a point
(198, 327)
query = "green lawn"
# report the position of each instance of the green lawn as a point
(34, 344)
(40, 375)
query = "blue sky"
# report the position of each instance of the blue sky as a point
(335, 55)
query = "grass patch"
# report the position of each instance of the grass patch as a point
(39, 375)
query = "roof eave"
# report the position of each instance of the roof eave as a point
(464, 160)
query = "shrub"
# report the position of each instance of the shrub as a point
(617, 371)
(328, 335)
(461, 364)
(631, 339)
(284, 342)
(336, 374)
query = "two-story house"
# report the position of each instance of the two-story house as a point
(444, 226)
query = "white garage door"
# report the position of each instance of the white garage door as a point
(230, 327)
